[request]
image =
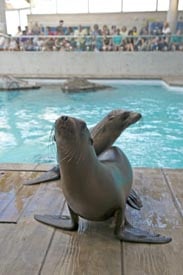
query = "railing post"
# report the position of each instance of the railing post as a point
(172, 15)
(3, 27)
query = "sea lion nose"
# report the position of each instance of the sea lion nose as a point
(64, 118)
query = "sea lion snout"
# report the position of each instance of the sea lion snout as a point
(64, 118)
(70, 127)
(130, 117)
(63, 126)
(135, 116)
(62, 121)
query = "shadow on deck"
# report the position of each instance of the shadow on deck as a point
(29, 247)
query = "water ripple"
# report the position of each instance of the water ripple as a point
(156, 141)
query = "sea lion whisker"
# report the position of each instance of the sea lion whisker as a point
(79, 156)
(75, 155)
(51, 146)
(63, 159)
(68, 155)
(79, 159)
(69, 159)
(66, 159)
(52, 136)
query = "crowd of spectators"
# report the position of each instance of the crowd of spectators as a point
(86, 38)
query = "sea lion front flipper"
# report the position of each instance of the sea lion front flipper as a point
(52, 174)
(60, 221)
(132, 234)
(134, 200)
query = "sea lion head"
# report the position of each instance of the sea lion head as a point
(121, 119)
(107, 131)
(72, 136)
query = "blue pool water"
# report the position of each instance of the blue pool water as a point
(27, 117)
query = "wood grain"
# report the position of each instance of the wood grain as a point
(13, 195)
(23, 248)
(25, 245)
(174, 180)
(92, 250)
(158, 214)
(30, 247)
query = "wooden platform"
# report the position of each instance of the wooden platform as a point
(29, 247)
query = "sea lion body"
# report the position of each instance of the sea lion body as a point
(100, 187)
(94, 188)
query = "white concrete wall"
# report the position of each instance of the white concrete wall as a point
(128, 19)
(92, 64)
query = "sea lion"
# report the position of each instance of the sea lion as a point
(95, 188)
(103, 134)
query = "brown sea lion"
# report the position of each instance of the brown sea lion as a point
(95, 188)
(103, 134)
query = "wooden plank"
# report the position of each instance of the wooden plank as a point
(5, 230)
(26, 244)
(160, 215)
(92, 250)
(6, 190)
(10, 184)
(14, 209)
(144, 259)
(23, 248)
(48, 199)
(25, 167)
(33, 248)
(13, 195)
(175, 183)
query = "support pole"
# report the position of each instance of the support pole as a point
(3, 27)
(173, 14)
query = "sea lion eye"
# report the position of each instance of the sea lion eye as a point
(110, 117)
(125, 115)
(91, 141)
(83, 125)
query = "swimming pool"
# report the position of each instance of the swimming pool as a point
(27, 117)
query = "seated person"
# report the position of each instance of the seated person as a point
(97, 40)
(2, 41)
(129, 42)
(49, 31)
(124, 31)
(79, 35)
(13, 46)
(36, 29)
(117, 40)
(176, 41)
(60, 28)
(166, 28)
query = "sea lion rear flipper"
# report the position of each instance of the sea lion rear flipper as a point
(136, 235)
(60, 221)
(52, 174)
(134, 200)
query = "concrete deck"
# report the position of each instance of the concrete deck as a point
(29, 247)
(174, 81)
(171, 81)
